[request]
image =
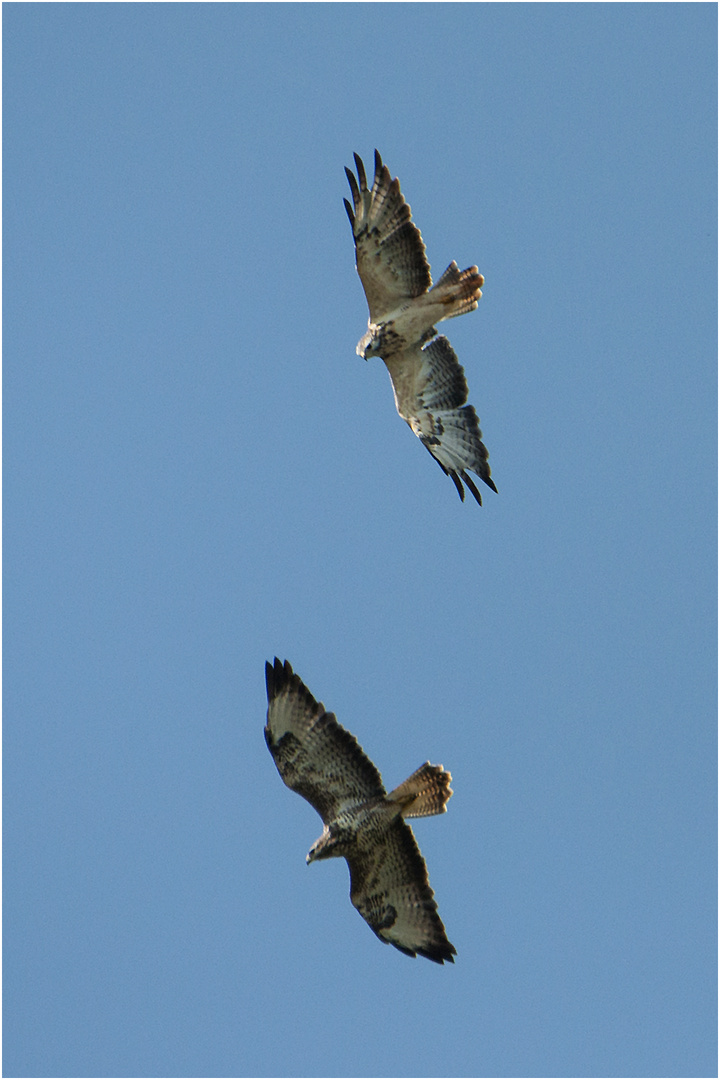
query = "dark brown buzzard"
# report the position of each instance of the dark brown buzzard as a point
(324, 763)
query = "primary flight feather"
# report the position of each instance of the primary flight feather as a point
(363, 823)
(427, 378)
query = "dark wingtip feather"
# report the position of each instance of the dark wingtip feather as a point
(472, 487)
(277, 676)
(441, 954)
(354, 189)
(458, 484)
(350, 213)
(360, 171)
(269, 677)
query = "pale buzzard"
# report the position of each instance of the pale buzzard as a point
(324, 763)
(428, 381)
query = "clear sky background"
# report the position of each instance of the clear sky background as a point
(201, 474)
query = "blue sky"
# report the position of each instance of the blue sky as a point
(201, 474)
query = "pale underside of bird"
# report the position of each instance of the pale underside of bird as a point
(362, 822)
(427, 378)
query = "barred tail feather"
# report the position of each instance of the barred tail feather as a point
(458, 290)
(424, 793)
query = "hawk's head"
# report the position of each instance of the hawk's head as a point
(365, 346)
(333, 842)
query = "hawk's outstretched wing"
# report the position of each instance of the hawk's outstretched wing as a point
(389, 249)
(431, 394)
(390, 888)
(314, 754)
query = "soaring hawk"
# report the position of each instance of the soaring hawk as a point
(324, 763)
(428, 381)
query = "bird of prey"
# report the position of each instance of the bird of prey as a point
(363, 823)
(428, 381)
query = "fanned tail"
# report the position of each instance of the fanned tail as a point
(458, 290)
(424, 793)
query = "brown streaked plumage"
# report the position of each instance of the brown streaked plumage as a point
(325, 764)
(428, 380)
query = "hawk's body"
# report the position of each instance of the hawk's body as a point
(324, 763)
(428, 381)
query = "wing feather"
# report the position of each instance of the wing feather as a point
(313, 753)
(431, 394)
(389, 250)
(390, 888)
